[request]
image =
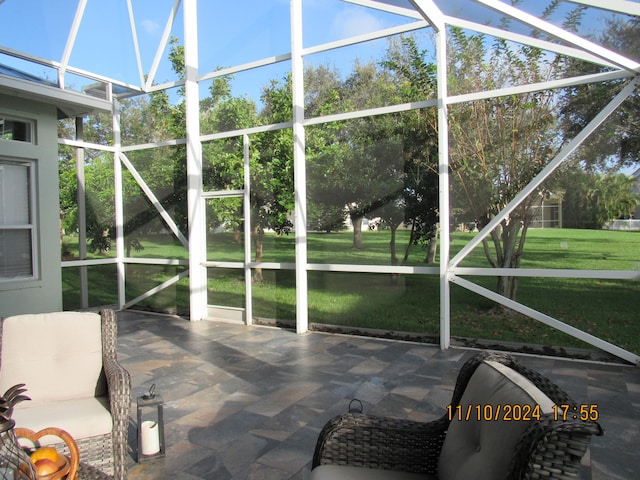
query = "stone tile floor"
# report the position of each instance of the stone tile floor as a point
(248, 402)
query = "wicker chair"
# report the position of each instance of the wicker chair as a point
(469, 441)
(68, 362)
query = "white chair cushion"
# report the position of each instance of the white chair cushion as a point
(81, 417)
(57, 355)
(482, 449)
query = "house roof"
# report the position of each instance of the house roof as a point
(21, 84)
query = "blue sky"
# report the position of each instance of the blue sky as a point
(230, 32)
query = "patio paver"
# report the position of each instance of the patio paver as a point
(248, 402)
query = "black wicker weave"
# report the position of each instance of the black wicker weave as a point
(547, 449)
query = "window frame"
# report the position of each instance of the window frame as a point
(31, 129)
(30, 227)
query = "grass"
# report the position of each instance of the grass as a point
(408, 303)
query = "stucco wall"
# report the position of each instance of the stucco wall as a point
(43, 294)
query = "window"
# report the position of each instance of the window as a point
(16, 220)
(16, 130)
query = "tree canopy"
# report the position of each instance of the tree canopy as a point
(375, 166)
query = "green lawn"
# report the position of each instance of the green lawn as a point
(408, 303)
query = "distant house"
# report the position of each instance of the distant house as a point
(547, 211)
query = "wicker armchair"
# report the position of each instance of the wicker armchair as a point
(468, 442)
(68, 362)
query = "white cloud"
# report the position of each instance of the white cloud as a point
(150, 26)
(354, 21)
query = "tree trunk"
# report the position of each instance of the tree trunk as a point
(508, 287)
(433, 248)
(356, 221)
(512, 246)
(258, 235)
(392, 245)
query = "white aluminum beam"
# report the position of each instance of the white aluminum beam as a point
(299, 168)
(246, 208)
(547, 320)
(328, 267)
(223, 193)
(71, 40)
(136, 46)
(385, 7)
(156, 289)
(535, 87)
(156, 261)
(146, 146)
(195, 203)
(154, 200)
(82, 144)
(444, 190)
(164, 40)
(621, 6)
(561, 49)
(96, 261)
(547, 273)
(246, 66)
(119, 205)
(564, 35)
(165, 86)
(393, 269)
(81, 200)
(365, 37)
(246, 131)
(431, 13)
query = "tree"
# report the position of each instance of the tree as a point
(418, 129)
(499, 145)
(612, 197)
(271, 167)
(223, 159)
(577, 209)
(144, 119)
(323, 92)
(98, 187)
(615, 144)
(354, 165)
(592, 199)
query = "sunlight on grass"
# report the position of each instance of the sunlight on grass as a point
(407, 303)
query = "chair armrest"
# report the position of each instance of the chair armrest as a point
(381, 442)
(119, 386)
(118, 378)
(553, 448)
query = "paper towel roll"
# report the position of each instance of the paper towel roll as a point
(150, 438)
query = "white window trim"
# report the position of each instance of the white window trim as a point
(31, 226)
(30, 123)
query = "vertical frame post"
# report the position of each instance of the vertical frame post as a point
(299, 168)
(196, 212)
(119, 204)
(444, 196)
(246, 197)
(81, 199)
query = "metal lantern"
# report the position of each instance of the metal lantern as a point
(150, 426)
